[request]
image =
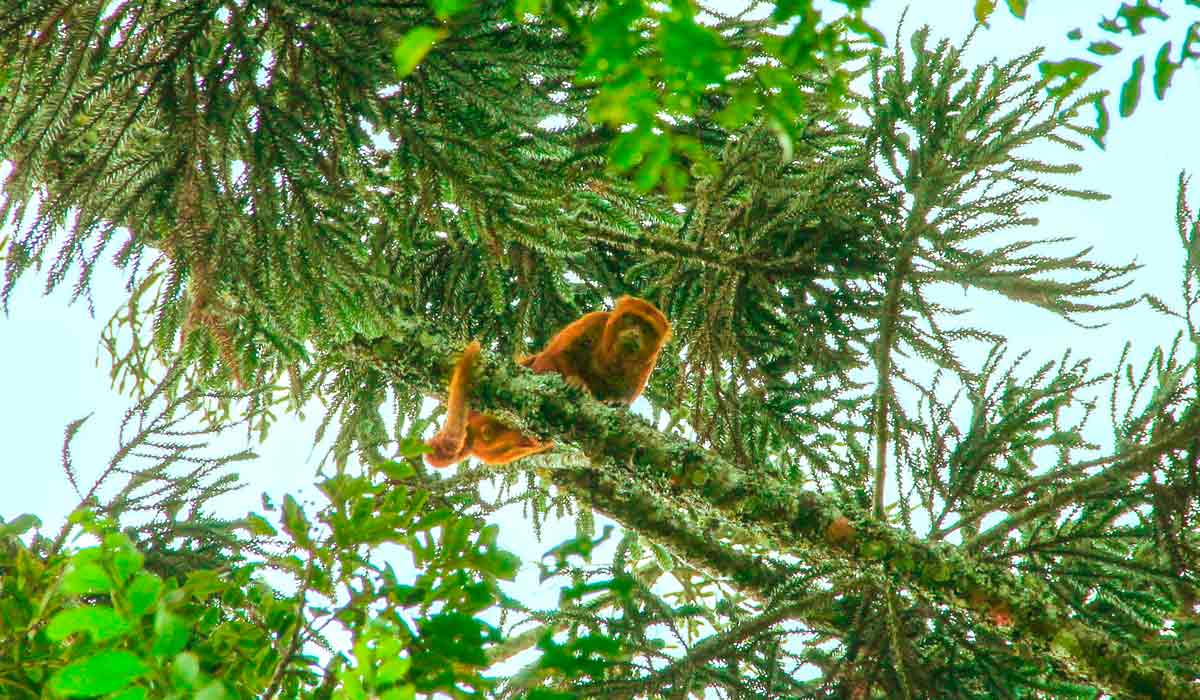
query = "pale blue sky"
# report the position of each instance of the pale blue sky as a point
(49, 349)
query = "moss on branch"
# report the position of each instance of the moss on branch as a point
(640, 475)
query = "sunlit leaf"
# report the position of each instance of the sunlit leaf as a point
(1104, 48)
(142, 593)
(185, 667)
(85, 574)
(20, 524)
(134, 693)
(393, 670)
(445, 9)
(171, 633)
(1072, 72)
(1135, 16)
(258, 525)
(412, 49)
(522, 8)
(984, 9)
(212, 691)
(407, 691)
(1131, 91)
(295, 522)
(100, 622)
(102, 673)
(1164, 70)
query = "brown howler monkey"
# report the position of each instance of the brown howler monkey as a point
(608, 353)
(475, 434)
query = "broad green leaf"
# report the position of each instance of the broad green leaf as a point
(170, 633)
(1072, 72)
(1131, 91)
(126, 559)
(100, 621)
(213, 691)
(85, 575)
(134, 693)
(1136, 15)
(412, 446)
(521, 8)
(501, 564)
(627, 149)
(860, 27)
(186, 669)
(648, 175)
(663, 557)
(404, 692)
(20, 524)
(295, 522)
(1189, 50)
(393, 670)
(1104, 48)
(202, 583)
(445, 9)
(455, 535)
(696, 53)
(1075, 34)
(1164, 70)
(102, 673)
(488, 535)
(612, 44)
(258, 525)
(397, 470)
(433, 519)
(1018, 7)
(787, 9)
(675, 179)
(412, 49)
(544, 694)
(1102, 119)
(983, 10)
(143, 593)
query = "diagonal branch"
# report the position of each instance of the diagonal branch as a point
(633, 460)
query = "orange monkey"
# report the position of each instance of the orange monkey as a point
(608, 353)
(475, 434)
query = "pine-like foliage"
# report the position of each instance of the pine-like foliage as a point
(292, 215)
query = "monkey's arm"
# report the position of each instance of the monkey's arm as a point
(570, 351)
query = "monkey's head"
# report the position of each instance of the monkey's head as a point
(494, 442)
(635, 331)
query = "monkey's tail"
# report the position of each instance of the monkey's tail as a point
(460, 387)
(449, 441)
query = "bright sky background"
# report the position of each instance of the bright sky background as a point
(49, 349)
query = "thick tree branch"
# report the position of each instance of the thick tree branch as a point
(640, 474)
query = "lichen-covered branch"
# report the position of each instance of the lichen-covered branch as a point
(640, 473)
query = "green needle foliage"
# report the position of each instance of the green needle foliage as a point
(326, 200)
